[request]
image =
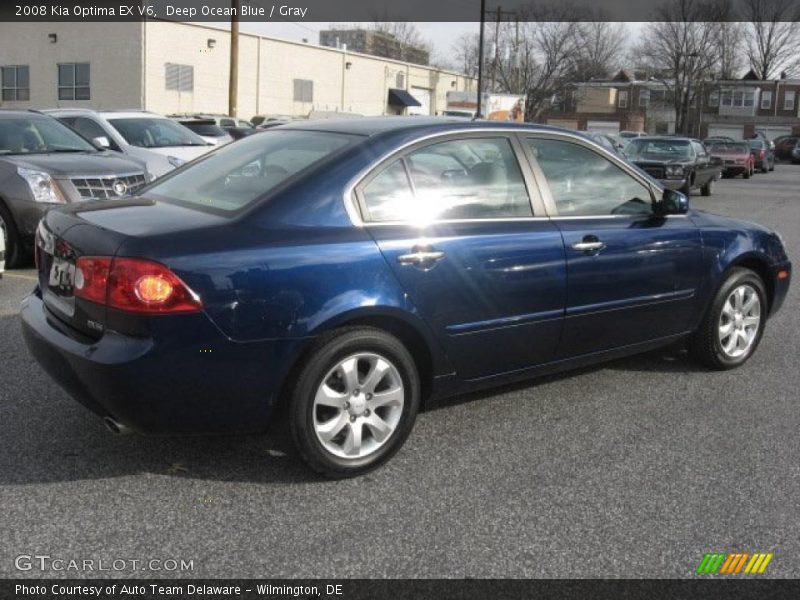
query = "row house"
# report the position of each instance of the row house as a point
(735, 108)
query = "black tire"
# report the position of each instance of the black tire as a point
(764, 167)
(14, 251)
(326, 353)
(707, 188)
(686, 190)
(747, 173)
(705, 345)
(772, 168)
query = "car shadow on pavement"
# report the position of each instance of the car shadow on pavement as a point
(670, 359)
(45, 436)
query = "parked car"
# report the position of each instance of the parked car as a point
(735, 156)
(357, 269)
(678, 163)
(43, 163)
(159, 141)
(238, 133)
(206, 129)
(607, 142)
(784, 146)
(717, 138)
(631, 134)
(763, 155)
(795, 155)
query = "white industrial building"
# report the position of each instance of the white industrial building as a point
(171, 67)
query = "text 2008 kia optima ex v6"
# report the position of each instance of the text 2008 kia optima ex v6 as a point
(356, 269)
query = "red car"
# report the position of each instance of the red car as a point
(736, 158)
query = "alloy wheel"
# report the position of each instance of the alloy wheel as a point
(739, 321)
(358, 405)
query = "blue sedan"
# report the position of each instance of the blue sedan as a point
(355, 271)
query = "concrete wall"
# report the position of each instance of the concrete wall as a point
(115, 72)
(267, 69)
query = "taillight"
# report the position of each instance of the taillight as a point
(762, 153)
(133, 285)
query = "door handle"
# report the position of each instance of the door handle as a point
(421, 257)
(587, 246)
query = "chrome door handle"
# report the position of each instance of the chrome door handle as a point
(588, 246)
(420, 257)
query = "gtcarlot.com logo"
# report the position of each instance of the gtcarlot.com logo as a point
(45, 562)
(735, 563)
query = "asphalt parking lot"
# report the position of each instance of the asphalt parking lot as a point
(635, 468)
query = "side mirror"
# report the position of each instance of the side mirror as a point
(672, 202)
(101, 142)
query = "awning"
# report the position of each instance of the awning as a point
(402, 98)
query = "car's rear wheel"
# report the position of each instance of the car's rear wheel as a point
(708, 188)
(354, 401)
(764, 167)
(732, 328)
(747, 173)
(9, 232)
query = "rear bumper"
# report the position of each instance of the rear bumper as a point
(198, 382)
(735, 169)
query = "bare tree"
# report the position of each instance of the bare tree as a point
(730, 49)
(681, 50)
(599, 51)
(773, 37)
(465, 54)
(405, 33)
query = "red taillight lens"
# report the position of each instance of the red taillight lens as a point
(133, 285)
(91, 278)
(762, 154)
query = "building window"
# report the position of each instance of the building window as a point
(73, 81)
(737, 98)
(179, 78)
(303, 90)
(766, 99)
(622, 100)
(16, 83)
(713, 98)
(400, 81)
(644, 98)
(788, 100)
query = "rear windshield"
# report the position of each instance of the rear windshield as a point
(729, 147)
(237, 175)
(209, 129)
(756, 144)
(147, 132)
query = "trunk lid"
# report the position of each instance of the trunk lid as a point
(98, 228)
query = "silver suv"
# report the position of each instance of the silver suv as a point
(155, 139)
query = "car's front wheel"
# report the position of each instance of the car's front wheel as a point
(10, 237)
(733, 326)
(354, 401)
(708, 188)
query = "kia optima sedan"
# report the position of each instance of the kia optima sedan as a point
(358, 270)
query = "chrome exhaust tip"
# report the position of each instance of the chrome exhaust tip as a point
(115, 427)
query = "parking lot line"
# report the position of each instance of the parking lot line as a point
(18, 276)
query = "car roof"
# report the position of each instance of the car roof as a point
(15, 113)
(369, 126)
(666, 138)
(125, 114)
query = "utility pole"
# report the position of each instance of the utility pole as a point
(480, 60)
(233, 80)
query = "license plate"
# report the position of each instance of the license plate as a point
(62, 274)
